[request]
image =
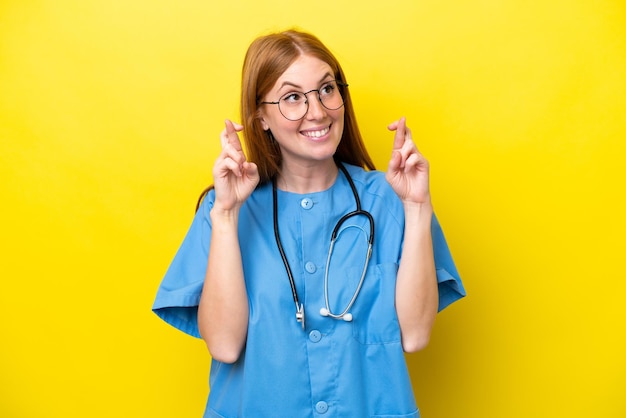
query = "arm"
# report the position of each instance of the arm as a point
(416, 286)
(223, 310)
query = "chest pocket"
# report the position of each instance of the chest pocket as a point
(374, 313)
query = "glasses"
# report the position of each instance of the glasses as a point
(295, 104)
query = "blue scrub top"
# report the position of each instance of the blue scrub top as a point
(333, 368)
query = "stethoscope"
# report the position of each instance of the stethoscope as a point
(326, 310)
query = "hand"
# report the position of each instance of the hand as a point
(235, 178)
(408, 170)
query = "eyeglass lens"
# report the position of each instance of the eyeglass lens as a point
(294, 105)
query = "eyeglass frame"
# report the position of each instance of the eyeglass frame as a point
(340, 84)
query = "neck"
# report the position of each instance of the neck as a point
(307, 179)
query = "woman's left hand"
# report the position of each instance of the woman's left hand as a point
(408, 170)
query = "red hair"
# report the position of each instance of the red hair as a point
(266, 60)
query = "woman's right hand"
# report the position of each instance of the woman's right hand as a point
(234, 177)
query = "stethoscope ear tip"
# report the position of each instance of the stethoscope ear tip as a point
(346, 317)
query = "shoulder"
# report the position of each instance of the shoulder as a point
(208, 201)
(370, 182)
(376, 193)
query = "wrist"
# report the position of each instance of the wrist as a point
(418, 213)
(424, 208)
(222, 215)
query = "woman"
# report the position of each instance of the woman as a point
(298, 326)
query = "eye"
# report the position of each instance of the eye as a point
(328, 89)
(293, 98)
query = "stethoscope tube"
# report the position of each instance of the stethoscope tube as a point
(326, 311)
(292, 283)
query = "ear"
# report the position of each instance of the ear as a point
(264, 124)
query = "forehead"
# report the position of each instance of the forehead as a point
(305, 72)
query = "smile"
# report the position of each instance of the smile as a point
(316, 134)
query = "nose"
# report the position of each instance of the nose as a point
(316, 109)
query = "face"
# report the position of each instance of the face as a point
(314, 138)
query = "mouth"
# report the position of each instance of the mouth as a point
(316, 133)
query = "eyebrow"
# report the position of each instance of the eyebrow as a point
(289, 83)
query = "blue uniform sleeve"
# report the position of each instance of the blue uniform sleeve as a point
(178, 295)
(450, 286)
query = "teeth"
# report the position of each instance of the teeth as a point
(316, 134)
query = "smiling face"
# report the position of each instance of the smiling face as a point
(312, 140)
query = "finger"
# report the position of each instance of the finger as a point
(229, 165)
(231, 133)
(395, 162)
(251, 171)
(224, 138)
(400, 135)
(393, 168)
(413, 161)
(417, 162)
(409, 138)
(408, 146)
(406, 151)
(231, 152)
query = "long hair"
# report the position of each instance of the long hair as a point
(266, 60)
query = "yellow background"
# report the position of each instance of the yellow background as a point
(110, 113)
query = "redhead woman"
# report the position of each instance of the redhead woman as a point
(307, 272)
